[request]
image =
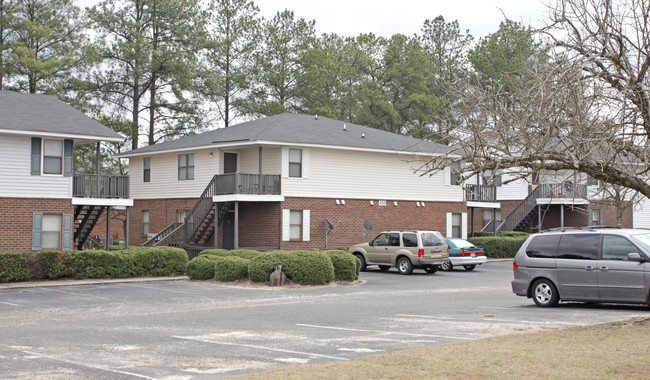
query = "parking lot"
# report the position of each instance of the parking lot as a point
(186, 329)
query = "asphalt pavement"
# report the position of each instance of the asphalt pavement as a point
(173, 328)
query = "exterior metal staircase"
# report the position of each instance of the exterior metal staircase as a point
(86, 218)
(523, 214)
(198, 226)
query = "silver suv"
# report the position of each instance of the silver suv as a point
(585, 264)
(405, 250)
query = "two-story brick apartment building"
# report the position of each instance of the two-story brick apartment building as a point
(43, 203)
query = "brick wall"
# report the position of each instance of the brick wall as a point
(16, 216)
(162, 212)
(118, 219)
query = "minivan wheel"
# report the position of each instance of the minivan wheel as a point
(431, 269)
(447, 266)
(469, 267)
(545, 293)
(384, 267)
(404, 265)
(363, 261)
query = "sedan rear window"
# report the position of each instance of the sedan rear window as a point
(429, 239)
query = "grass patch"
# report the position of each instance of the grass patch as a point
(606, 351)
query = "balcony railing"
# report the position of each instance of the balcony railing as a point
(239, 183)
(480, 193)
(103, 186)
(564, 190)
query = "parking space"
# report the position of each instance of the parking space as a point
(186, 329)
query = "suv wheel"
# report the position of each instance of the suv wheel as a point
(363, 261)
(447, 266)
(545, 293)
(431, 269)
(404, 265)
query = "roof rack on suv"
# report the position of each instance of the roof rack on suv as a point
(587, 228)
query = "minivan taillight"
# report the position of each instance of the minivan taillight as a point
(515, 266)
(420, 252)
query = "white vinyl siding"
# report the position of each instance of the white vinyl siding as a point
(344, 174)
(165, 183)
(641, 214)
(17, 181)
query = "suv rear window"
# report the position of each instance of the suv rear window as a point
(579, 246)
(410, 240)
(543, 246)
(429, 239)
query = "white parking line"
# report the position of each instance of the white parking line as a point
(489, 319)
(205, 340)
(77, 294)
(55, 358)
(10, 304)
(383, 332)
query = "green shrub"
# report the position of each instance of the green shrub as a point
(230, 268)
(201, 267)
(499, 247)
(309, 268)
(56, 264)
(103, 264)
(261, 266)
(13, 267)
(117, 247)
(512, 234)
(243, 253)
(157, 261)
(345, 265)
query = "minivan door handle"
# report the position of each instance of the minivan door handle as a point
(604, 269)
(589, 267)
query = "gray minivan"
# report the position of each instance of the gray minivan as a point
(584, 264)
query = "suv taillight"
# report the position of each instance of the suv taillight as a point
(420, 252)
(515, 266)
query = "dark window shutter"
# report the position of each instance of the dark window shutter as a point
(67, 158)
(66, 233)
(37, 231)
(36, 156)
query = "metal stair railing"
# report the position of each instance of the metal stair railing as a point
(184, 232)
(161, 235)
(521, 211)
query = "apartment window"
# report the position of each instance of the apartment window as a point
(146, 169)
(454, 171)
(295, 225)
(186, 167)
(52, 156)
(594, 218)
(295, 163)
(492, 179)
(51, 232)
(456, 221)
(488, 217)
(145, 222)
(591, 181)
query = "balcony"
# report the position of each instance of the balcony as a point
(91, 189)
(247, 187)
(480, 193)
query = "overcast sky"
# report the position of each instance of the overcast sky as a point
(388, 17)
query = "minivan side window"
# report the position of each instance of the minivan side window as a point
(544, 246)
(410, 240)
(617, 248)
(579, 246)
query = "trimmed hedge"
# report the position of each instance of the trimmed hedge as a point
(261, 266)
(13, 267)
(158, 261)
(499, 247)
(230, 268)
(501, 234)
(345, 265)
(243, 253)
(201, 267)
(57, 264)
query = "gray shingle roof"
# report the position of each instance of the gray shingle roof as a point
(44, 113)
(299, 129)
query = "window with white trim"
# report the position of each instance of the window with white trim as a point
(52, 156)
(186, 167)
(456, 225)
(51, 231)
(146, 169)
(454, 173)
(295, 225)
(295, 163)
(145, 222)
